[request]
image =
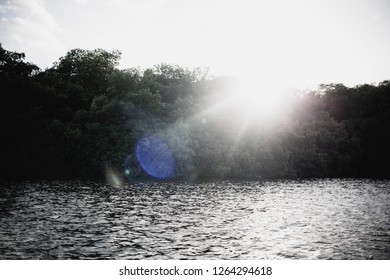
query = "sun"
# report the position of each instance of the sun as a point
(247, 103)
(260, 102)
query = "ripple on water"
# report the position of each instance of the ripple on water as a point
(312, 219)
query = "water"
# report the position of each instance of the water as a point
(314, 219)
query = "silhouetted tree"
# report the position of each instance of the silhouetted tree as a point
(84, 114)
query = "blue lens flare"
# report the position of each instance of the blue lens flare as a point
(155, 157)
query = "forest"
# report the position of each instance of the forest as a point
(84, 118)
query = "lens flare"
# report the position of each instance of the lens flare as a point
(130, 168)
(113, 178)
(155, 157)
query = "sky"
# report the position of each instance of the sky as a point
(298, 43)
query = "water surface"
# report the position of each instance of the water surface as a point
(311, 219)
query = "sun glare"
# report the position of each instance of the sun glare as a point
(259, 102)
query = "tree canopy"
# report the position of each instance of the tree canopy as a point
(84, 116)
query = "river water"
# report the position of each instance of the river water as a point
(308, 219)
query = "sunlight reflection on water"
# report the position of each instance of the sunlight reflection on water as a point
(322, 219)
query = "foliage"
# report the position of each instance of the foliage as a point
(84, 116)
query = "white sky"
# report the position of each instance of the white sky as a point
(298, 43)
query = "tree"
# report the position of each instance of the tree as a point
(86, 73)
(12, 65)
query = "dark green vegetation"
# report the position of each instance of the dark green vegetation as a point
(84, 116)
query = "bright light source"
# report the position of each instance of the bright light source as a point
(260, 102)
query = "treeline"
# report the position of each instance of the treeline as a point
(84, 116)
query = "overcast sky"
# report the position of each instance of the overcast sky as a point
(302, 43)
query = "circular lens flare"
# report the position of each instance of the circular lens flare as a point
(155, 157)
